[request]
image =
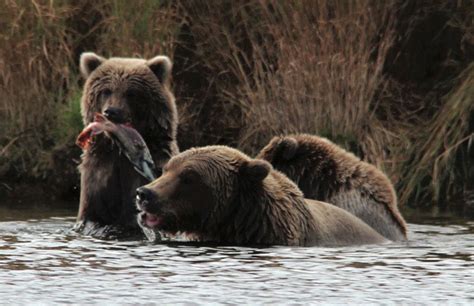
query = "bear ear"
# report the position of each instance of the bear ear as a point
(255, 169)
(161, 67)
(89, 62)
(287, 148)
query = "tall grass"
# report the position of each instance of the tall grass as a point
(305, 66)
(246, 71)
(276, 67)
(443, 154)
(40, 44)
(35, 75)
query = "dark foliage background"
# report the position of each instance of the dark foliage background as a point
(391, 81)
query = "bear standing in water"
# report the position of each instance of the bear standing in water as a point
(326, 172)
(135, 92)
(218, 194)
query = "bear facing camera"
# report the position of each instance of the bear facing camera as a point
(127, 91)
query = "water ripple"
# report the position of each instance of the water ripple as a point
(46, 263)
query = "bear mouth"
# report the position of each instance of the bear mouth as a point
(100, 125)
(151, 220)
(164, 223)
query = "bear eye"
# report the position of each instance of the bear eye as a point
(132, 94)
(188, 176)
(104, 94)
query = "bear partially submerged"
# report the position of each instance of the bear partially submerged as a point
(132, 91)
(218, 194)
(326, 172)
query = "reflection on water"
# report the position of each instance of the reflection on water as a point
(42, 261)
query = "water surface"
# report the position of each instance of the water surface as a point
(41, 261)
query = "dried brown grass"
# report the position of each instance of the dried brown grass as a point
(443, 153)
(318, 67)
(40, 43)
(35, 57)
(244, 72)
(305, 66)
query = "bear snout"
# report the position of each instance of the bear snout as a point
(145, 198)
(115, 114)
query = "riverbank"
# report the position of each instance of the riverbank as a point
(391, 81)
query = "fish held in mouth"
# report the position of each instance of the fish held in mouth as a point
(128, 139)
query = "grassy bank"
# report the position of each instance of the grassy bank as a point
(390, 81)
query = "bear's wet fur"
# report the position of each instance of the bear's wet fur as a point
(220, 195)
(135, 91)
(326, 172)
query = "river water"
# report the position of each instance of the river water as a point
(42, 262)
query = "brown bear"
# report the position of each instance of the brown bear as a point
(218, 194)
(326, 172)
(135, 92)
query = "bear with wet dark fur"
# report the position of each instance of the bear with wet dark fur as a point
(326, 172)
(218, 194)
(132, 91)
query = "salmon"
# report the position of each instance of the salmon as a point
(130, 142)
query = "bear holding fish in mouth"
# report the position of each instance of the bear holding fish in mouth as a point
(222, 196)
(123, 100)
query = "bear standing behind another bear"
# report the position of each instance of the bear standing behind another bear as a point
(326, 172)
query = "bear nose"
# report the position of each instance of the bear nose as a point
(144, 194)
(115, 114)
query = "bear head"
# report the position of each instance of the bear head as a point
(199, 189)
(279, 150)
(301, 159)
(129, 90)
(314, 163)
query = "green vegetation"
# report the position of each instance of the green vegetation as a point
(69, 119)
(392, 82)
